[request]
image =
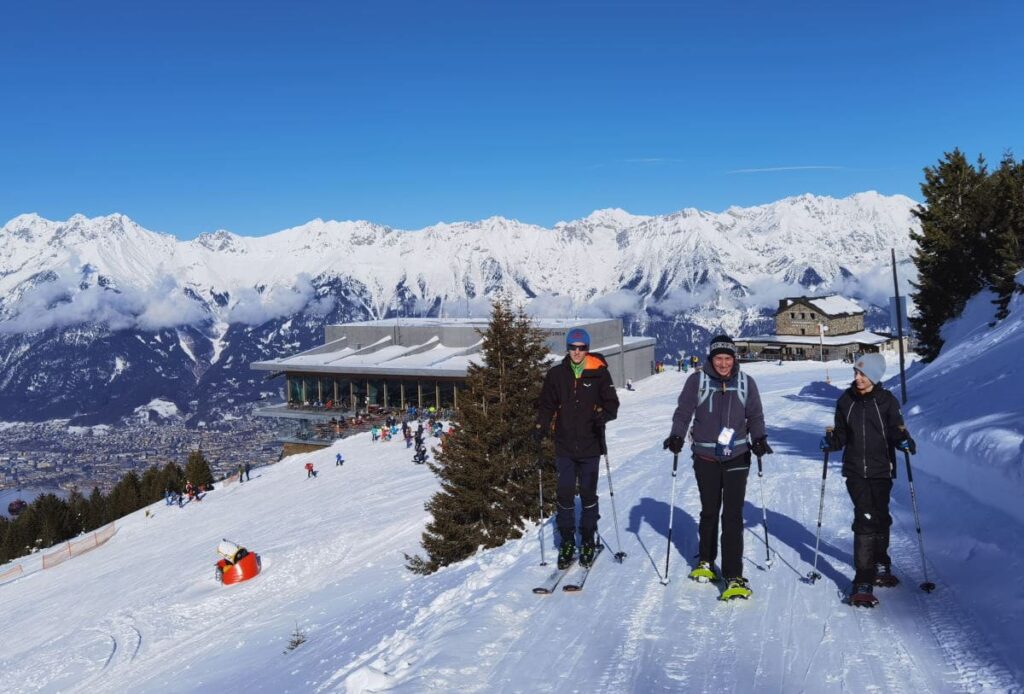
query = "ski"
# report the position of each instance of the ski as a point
(551, 582)
(579, 574)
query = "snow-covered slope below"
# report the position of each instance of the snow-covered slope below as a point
(143, 613)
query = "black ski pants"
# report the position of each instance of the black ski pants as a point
(871, 522)
(573, 472)
(723, 487)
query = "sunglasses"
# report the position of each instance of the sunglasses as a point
(578, 348)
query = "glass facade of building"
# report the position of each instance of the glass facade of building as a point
(347, 393)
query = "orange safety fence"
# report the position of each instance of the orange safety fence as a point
(78, 547)
(11, 573)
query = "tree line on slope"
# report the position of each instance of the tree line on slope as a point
(50, 519)
(971, 238)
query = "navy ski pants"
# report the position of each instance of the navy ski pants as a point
(573, 471)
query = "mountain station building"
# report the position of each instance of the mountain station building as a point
(822, 328)
(370, 367)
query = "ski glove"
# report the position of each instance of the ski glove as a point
(673, 443)
(760, 447)
(907, 444)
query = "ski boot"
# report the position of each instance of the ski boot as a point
(863, 595)
(588, 553)
(566, 553)
(884, 576)
(737, 588)
(703, 573)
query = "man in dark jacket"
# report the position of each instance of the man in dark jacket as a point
(578, 398)
(868, 428)
(726, 410)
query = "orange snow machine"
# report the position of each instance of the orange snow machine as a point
(236, 563)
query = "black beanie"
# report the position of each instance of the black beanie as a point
(722, 344)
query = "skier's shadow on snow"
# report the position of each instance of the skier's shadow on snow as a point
(784, 529)
(655, 513)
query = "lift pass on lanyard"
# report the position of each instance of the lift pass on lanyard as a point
(724, 447)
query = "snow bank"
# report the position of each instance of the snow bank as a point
(967, 406)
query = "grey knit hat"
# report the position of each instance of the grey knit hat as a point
(871, 365)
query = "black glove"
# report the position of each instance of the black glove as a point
(907, 444)
(760, 447)
(673, 443)
(537, 435)
(544, 464)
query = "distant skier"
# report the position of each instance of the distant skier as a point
(310, 472)
(868, 429)
(725, 407)
(248, 467)
(579, 397)
(241, 473)
(339, 459)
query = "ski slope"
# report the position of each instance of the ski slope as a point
(144, 614)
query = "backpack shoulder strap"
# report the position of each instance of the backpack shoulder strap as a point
(703, 388)
(741, 388)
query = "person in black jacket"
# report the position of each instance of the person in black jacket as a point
(728, 426)
(868, 429)
(578, 398)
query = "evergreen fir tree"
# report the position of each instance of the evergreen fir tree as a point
(949, 245)
(487, 468)
(1005, 233)
(197, 470)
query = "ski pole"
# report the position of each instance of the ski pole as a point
(927, 586)
(540, 485)
(671, 512)
(620, 555)
(764, 516)
(814, 575)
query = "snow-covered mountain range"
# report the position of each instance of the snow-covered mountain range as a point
(99, 316)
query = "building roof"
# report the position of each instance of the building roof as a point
(832, 305)
(432, 358)
(483, 322)
(864, 337)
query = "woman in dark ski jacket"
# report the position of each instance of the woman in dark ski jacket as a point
(868, 429)
(578, 398)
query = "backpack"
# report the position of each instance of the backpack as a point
(704, 389)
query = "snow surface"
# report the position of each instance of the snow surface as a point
(143, 613)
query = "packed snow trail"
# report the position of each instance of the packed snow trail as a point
(143, 613)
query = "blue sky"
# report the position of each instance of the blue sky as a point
(256, 116)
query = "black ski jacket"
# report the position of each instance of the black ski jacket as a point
(578, 407)
(867, 428)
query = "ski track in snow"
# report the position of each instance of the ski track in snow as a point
(143, 613)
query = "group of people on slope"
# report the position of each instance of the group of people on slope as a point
(720, 407)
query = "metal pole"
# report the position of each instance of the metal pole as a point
(619, 555)
(927, 586)
(814, 575)
(671, 513)
(540, 485)
(899, 328)
(764, 516)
